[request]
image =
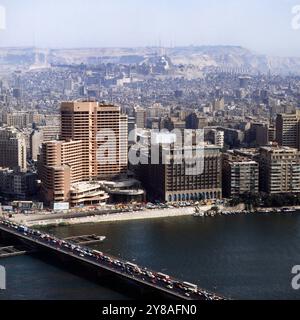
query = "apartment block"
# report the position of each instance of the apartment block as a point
(279, 170)
(240, 175)
(18, 119)
(12, 149)
(287, 130)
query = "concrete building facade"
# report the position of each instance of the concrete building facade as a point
(97, 126)
(287, 130)
(279, 170)
(12, 149)
(60, 165)
(173, 184)
(240, 175)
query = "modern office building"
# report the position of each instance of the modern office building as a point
(240, 175)
(173, 181)
(12, 149)
(279, 170)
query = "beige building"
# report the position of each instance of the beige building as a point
(219, 104)
(240, 175)
(60, 165)
(12, 149)
(97, 126)
(50, 132)
(18, 119)
(94, 146)
(279, 170)
(60, 169)
(87, 193)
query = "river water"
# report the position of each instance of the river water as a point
(242, 257)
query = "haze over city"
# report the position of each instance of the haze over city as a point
(262, 26)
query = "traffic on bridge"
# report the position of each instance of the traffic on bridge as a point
(160, 281)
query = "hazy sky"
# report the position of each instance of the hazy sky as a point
(261, 25)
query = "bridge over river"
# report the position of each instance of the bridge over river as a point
(145, 279)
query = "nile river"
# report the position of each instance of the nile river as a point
(246, 257)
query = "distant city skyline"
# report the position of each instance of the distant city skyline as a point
(265, 27)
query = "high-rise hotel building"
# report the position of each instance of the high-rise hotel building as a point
(96, 124)
(93, 146)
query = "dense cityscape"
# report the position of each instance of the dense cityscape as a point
(146, 159)
(49, 155)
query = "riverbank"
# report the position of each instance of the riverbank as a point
(46, 220)
(42, 220)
